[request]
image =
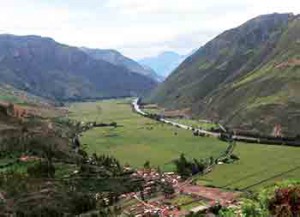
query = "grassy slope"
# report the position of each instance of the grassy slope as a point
(10, 94)
(267, 95)
(139, 139)
(235, 78)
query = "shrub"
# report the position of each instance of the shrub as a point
(41, 170)
(227, 212)
(82, 202)
(286, 202)
(253, 208)
(234, 157)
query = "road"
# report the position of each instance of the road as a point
(243, 138)
(138, 110)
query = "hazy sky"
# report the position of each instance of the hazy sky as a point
(137, 28)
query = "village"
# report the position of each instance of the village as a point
(177, 198)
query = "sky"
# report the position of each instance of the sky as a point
(137, 28)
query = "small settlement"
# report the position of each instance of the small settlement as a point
(166, 194)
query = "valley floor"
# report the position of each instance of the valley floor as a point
(140, 139)
(259, 165)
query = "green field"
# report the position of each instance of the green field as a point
(190, 122)
(260, 165)
(195, 123)
(139, 139)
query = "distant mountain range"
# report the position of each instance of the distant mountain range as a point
(164, 63)
(116, 58)
(247, 77)
(49, 69)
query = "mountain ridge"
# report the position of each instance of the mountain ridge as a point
(49, 69)
(207, 80)
(117, 58)
(164, 63)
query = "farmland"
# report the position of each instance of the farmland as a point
(259, 165)
(139, 139)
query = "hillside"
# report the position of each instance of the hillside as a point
(116, 58)
(164, 63)
(248, 77)
(46, 68)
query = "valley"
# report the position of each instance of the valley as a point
(149, 109)
(139, 139)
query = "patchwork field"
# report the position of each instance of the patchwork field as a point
(139, 139)
(259, 165)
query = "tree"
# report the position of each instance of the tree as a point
(286, 202)
(167, 189)
(147, 165)
(183, 167)
(82, 202)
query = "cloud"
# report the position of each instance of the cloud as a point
(18, 17)
(154, 6)
(173, 6)
(137, 27)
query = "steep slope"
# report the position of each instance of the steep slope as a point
(164, 63)
(248, 77)
(46, 68)
(116, 58)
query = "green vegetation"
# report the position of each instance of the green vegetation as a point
(61, 78)
(281, 199)
(196, 123)
(259, 165)
(41, 175)
(13, 95)
(186, 168)
(182, 199)
(247, 78)
(139, 139)
(192, 205)
(152, 110)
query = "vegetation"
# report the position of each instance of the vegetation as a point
(139, 139)
(41, 174)
(282, 199)
(182, 199)
(167, 189)
(68, 73)
(246, 78)
(197, 123)
(187, 168)
(10, 94)
(258, 165)
(96, 185)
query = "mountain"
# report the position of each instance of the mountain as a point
(116, 58)
(46, 68)
(164, 63)
(248, 77)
